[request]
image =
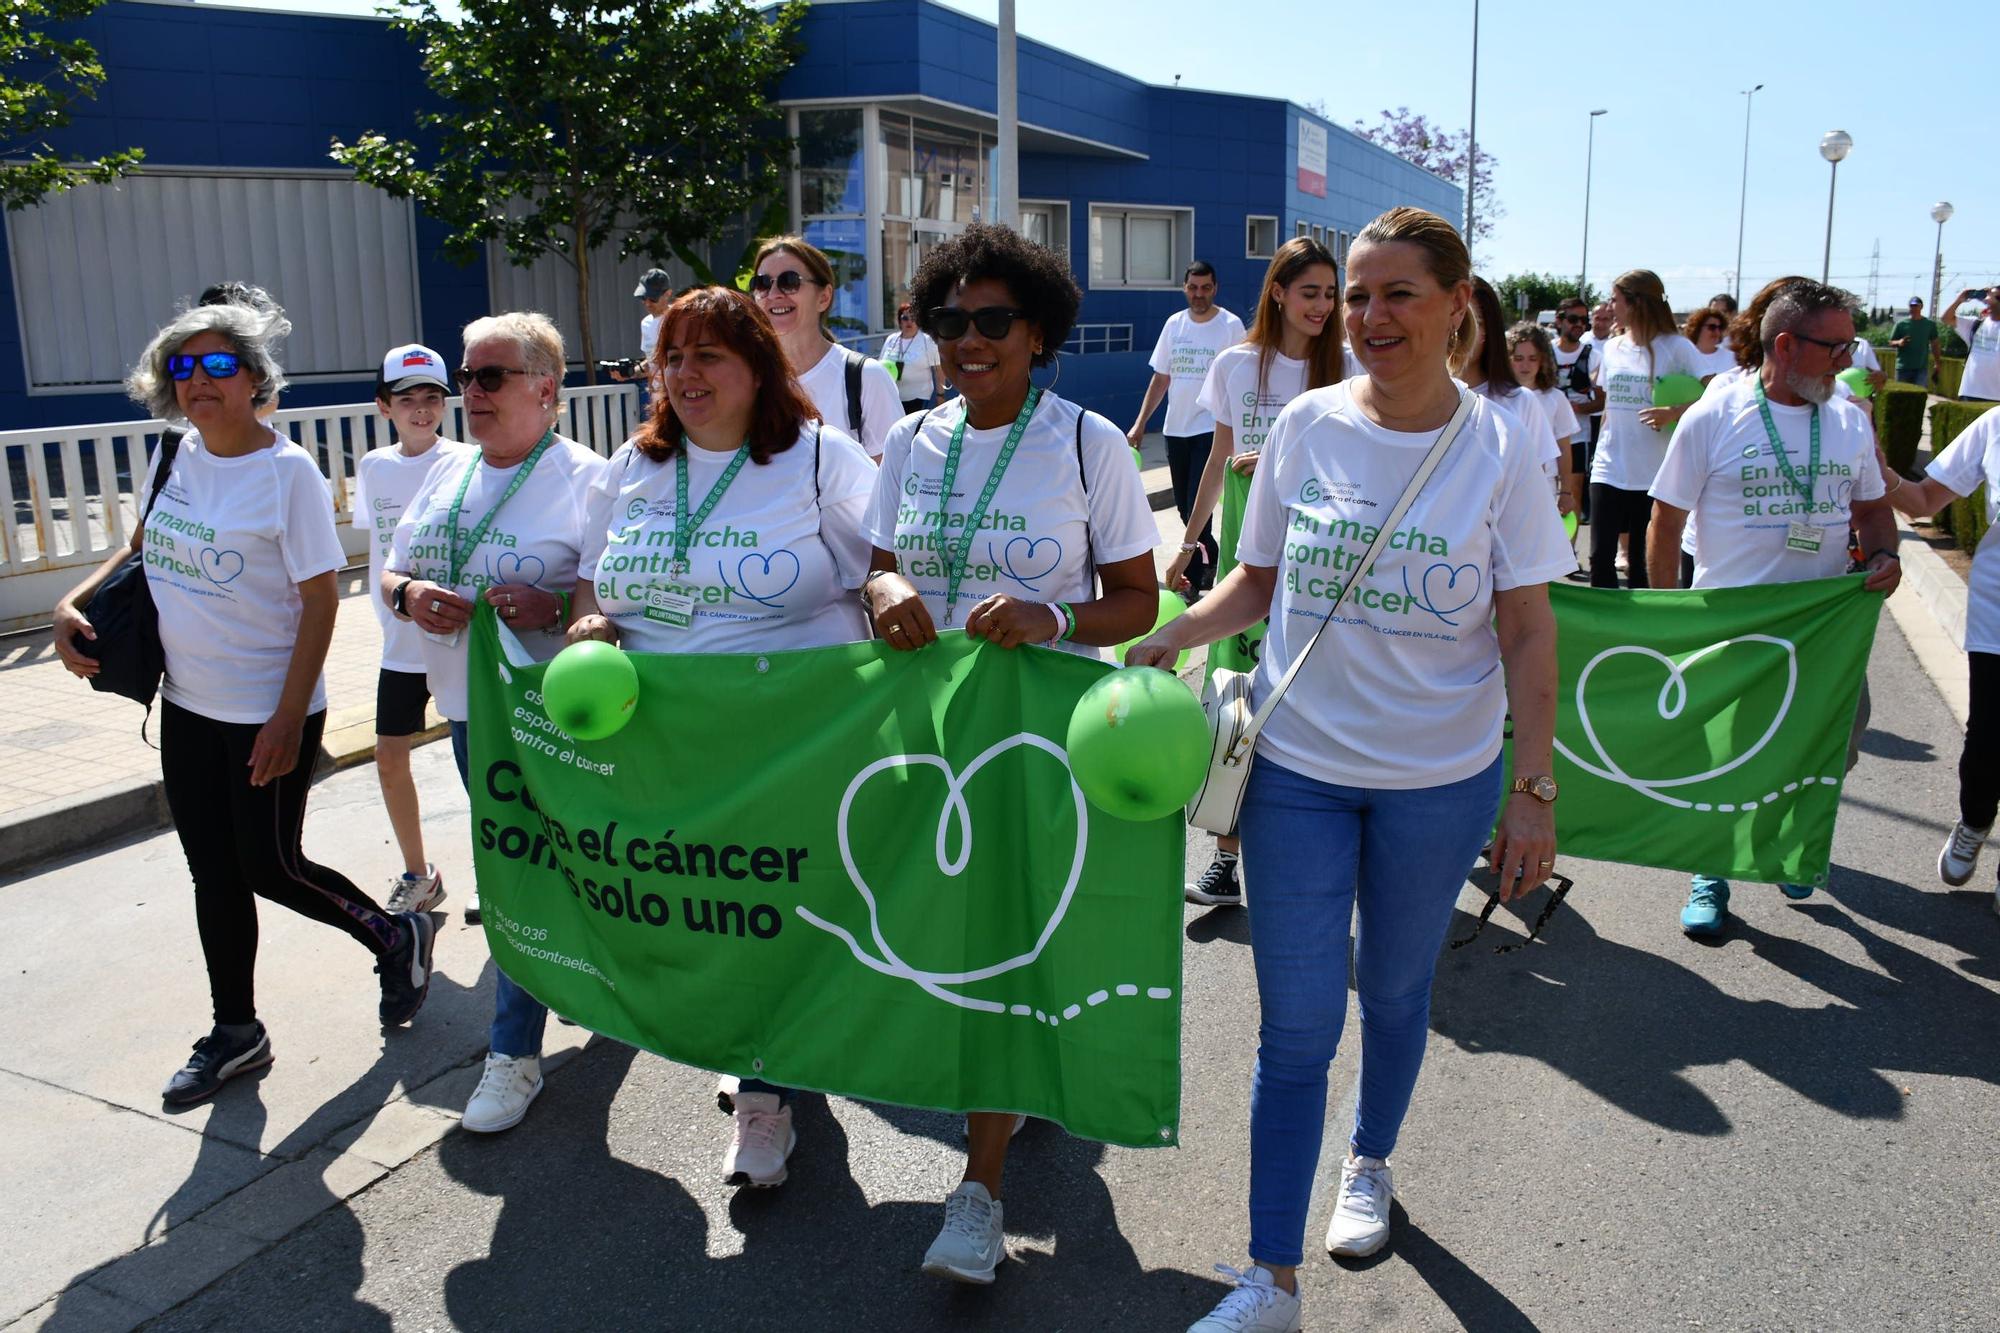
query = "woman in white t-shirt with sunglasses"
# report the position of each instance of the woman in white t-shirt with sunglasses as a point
(1378, 776)
(793, 284)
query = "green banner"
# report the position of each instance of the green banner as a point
(846, 869)
(1707, 731)
(1238, 652)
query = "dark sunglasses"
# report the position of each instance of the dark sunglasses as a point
(215, 365)
(787, 282)
(1571, 319)
(489, 378)
(1834, 350)
(1714, 328)
(949, 322)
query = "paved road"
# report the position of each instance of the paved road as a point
(1617, 1128)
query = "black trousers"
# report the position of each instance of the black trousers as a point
(1979, 763)
(1187, 456)
(1614, 510)
(242, 843)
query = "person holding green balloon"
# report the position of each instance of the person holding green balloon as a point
(730, 524)
(1009, 515)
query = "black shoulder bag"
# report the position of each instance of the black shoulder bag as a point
(129, 657)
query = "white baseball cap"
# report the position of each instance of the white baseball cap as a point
(408, 366)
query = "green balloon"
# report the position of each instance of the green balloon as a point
(590, 690)
(1569, 524)
(1138, 744)
(1856, 379)
(1138, 460)
(1673, 390)
(1171, 605)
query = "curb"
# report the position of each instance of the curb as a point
(1933, 622)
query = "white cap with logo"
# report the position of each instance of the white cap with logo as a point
(411, 365)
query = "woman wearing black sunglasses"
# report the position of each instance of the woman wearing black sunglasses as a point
(1023, 494)
(793, 285)
(240, 553)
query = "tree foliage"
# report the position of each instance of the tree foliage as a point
(40, 76)
(1412, 137)
(1545, 291)
(569, 122)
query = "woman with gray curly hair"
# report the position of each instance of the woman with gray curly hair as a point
(240, 552)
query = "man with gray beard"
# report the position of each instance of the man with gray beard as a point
(1776, 469)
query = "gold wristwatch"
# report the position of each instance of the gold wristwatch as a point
(1542, 788)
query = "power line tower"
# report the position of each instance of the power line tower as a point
(1875, 278)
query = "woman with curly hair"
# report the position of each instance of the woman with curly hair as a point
(1062, 481)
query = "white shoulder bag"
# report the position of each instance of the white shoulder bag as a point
(1233, 728)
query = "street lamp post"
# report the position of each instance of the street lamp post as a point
(1743, 198)
(1589, 160)
(1834, 146)
(1940, 214)
(1472, 134)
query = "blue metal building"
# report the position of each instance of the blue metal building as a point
(893, 104)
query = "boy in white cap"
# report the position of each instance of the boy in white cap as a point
(410, 390)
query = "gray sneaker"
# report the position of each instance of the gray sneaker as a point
(406, 970)
(1960, 854)
(415, 893)
(217, 1058)
(973, 1242)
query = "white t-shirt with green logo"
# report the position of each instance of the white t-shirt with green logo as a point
(1628, 450)
(1233, 398)
(881, 401)
(226, 546)
(1408, 691)
(771, 567)
(384, 481)
(1970, 461)
(917, 359)
(1720, 467)
(1184, 352)
(1045, 529)
(535, 539)
(1982, 362)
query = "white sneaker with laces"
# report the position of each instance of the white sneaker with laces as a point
(415, 893)
(1258, 1305)
(1960, 856)
(764, 1138)
(472, 905)
(972, 1243)
(1360, 1222)
(505, 1090)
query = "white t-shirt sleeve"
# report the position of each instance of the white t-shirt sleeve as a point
(307, 535)
(1529, 545)
(406, 527)
(1966, 327)
(881, 406)
(357, 517)
(1864, 355)
(1961, 468)
(1162, 360)
(878, 522)
(1856, 420)
(846, 483)
(1121, 518)
(1562, 417)
(1261, 538)
(1214, 391)
(1684, 472)
(599, 506)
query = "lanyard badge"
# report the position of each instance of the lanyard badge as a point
(1802, 535)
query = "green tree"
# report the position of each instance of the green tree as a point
(1545, 291)
(40, 76)
(571, 121)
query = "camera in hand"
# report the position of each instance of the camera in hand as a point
(629, 368)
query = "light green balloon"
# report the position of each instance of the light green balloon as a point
(1171, 605)
(591, 690)
(1138, 744)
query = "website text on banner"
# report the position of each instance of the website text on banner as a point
(846, 869)
(1707, 730)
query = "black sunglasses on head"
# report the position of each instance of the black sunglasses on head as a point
(787, 282)
(950, 322)
(215, 365)
(489, 378)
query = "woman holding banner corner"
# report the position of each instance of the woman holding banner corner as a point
(1378, 775)
(1076, 573)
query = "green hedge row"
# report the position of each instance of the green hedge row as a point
(1951, 372)
(1899, 423)
(1964, 519)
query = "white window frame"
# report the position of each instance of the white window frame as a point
(1180, 218)
(1250, 228)
(1058, 210)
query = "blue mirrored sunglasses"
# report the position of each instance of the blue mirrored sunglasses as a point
(215, 365)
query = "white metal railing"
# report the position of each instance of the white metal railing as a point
(1089, 339)
(68, 494)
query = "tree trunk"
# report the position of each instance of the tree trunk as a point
(582, 244)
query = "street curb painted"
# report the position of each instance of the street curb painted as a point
(1933, 621)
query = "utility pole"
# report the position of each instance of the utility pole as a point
(1472, 134)
(1007, 200)
(1743, 195)
(1875, 278)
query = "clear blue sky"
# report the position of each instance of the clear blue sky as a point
(1669, 154)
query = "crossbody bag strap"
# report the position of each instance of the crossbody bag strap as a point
(170, 443)
(1389, 525)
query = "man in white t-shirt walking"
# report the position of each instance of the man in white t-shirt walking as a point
(1188, 344)
(1776, 468)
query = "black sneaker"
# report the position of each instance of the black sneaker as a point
(217, 1058)
(1217, 886)
(406, 970)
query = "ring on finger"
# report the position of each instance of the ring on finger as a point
(511, 613)
(436, 606)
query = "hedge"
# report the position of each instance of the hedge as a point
(1964, 518)
(1899, 423)
(1950, 372)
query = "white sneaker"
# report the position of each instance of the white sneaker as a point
(764, 1138)
(472, 905)
(1020, 1123)
(509, 1084)
(1960, 856)
(415, 893)
(1360, 1222)
(972, 1243)
(1258, 1305)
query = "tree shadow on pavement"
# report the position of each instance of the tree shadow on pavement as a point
(1627, 1024)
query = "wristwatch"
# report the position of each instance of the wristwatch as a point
(1542, 788)
(398, 598)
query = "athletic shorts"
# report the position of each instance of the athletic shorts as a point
(400, 697)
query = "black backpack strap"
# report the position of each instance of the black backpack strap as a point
(855, 361)
(1083, 476)
(819, 429)
(170, 443)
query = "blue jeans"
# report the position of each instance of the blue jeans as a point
(1316, 855)
(518, 1017)
(1918, 375)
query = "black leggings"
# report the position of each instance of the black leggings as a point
(1614, 510)
(1979, 763)
(242, 841)
(1187, 456)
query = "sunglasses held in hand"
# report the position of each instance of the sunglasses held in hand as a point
(215, 365)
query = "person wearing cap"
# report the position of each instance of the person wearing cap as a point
(410, 390)
(656, 291)
(1916, 342)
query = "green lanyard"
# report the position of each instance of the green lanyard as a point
(685, 527)
(1805, 487)
(461, 551)
(955, 553)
